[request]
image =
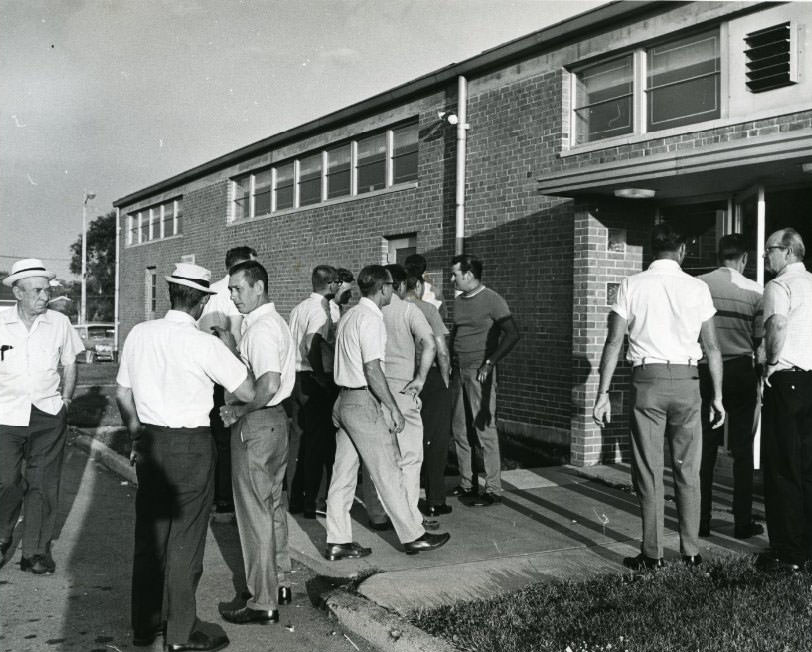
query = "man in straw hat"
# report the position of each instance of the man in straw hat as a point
(34, 341)
(165, 382)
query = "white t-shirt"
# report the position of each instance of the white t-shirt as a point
(361, 338)
(267, 345)
(306, 319)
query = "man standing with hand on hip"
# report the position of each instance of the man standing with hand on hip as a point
(666, 313)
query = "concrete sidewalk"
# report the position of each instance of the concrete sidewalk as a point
(553, 523)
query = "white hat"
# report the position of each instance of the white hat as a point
(26, 268)
(193, 276)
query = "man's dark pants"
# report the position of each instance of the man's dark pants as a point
(41, 444)
(172, 505)
(786, 447)
(223, 493)
(313, 419)
(739, 395)
(436, 416)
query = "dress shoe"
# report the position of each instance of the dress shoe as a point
(458, 492)
(427, 542)
(284, 595)
(485, 500)
(704, 528)
(37, 564)
(751, 529)
(692, 560)
(336, 551)
(643, 562)
(383, 526)
(145, 639)
(437, 510)
(767, 562)
(199, 642)
(246, 616)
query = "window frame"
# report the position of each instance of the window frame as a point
(151, 223)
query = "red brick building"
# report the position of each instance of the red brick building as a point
(579, 138)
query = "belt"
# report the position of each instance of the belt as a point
(690, 362)
(353, 389)
(792, 369)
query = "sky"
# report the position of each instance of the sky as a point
(110, 96)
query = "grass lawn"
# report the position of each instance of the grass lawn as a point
(724, 605)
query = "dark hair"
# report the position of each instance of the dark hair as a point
(253, 271)
(398, 274)
(731, 247)
(182, 297)
(237, 255)
(412, 281)
(415, 265)
(322, 276)
(344, 275)
(468, 263)
(371, 279)
(666, 237)
(793, 241)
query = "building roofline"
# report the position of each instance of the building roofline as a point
(581, 24)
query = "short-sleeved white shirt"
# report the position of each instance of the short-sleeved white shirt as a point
(404, 325)
(267, 345)
(29, 371)
(308, 318)
(171, 368)
(790, 294)
(361, 338)
(664, 309)
(219, 307)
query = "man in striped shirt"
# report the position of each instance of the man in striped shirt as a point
(739, 330)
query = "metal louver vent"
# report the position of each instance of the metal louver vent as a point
(770, 58)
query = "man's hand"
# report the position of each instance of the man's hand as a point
(483, 372)
(230, 414)
(226, 336)
(718, 411)
(602, 412)
(393, 419)
(136, 456)
(767, 371)
(415, 387)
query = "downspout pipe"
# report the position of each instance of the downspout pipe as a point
(462, 127)
(116, 287)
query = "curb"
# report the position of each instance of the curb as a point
(382, 629)
(101, 452)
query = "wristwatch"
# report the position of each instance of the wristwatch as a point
(489, 363)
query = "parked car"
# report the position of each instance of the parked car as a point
(99, 340)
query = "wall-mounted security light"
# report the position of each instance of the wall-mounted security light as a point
(448, 116)
(635, 193)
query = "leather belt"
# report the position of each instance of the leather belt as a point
(354, 389)
(650, 361)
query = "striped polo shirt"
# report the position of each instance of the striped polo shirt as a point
(738, 318)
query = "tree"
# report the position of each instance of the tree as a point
(101, 267)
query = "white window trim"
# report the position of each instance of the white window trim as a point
(129, 229)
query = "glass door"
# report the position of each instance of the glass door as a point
(749, 220)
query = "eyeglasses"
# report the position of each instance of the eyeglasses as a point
(767, 249)
(389, 283)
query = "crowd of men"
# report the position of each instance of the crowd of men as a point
(209, 391)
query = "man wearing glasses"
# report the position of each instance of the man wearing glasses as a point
(787, 405)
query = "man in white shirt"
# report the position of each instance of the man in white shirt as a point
(34, 341)
(787, 407)
(314, 392)
(666, 313)
(369, 422)
(220, 311)
(259, 446)
(165, 387)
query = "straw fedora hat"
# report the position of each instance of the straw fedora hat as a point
(26, 268)
(193, 276)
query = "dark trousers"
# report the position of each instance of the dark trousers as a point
(223, 493)
(313, 419)
(436, 416)
(786, 448)
(41, 444)
(739, 395)
(172, 505)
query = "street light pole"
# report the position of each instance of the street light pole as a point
(83, 314)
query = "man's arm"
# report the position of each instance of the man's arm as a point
(126, 407)
(69, 373)
(266, 387)
(707, 336)
(424, 338)
(443, 358)
(510, 336)
(215, 321)
(379, 387)
(775, 335)
(602, 410)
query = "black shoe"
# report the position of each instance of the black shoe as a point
(37, 564)
(427, 542)
(704, 528)
(643, 562)
(336, 551)
(692, 560)
(485, 500)
(148, 638)
(437, 510)
(384, 526)
(246, 616)
(458, 492)
(767, 562)
(199, 642)
(748, 530)
(284, 595)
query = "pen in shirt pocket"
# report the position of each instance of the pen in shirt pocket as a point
(3, 349)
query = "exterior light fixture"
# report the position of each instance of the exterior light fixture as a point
(635, 193)
(448, 116)
(807, 168)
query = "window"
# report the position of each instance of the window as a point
(284, 187)
(371, 166)
(338, 171)
(161, 221)
(178, 216)
(310, 180)
(143, 226)
(131, 229)
(404, 154)
(683, 82)
(150, 293)
(679, 84)
(770, 59)
(242, 197)
(262, 193)
(168, 223)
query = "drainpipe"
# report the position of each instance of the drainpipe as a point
(116, 287)
(462, 126)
